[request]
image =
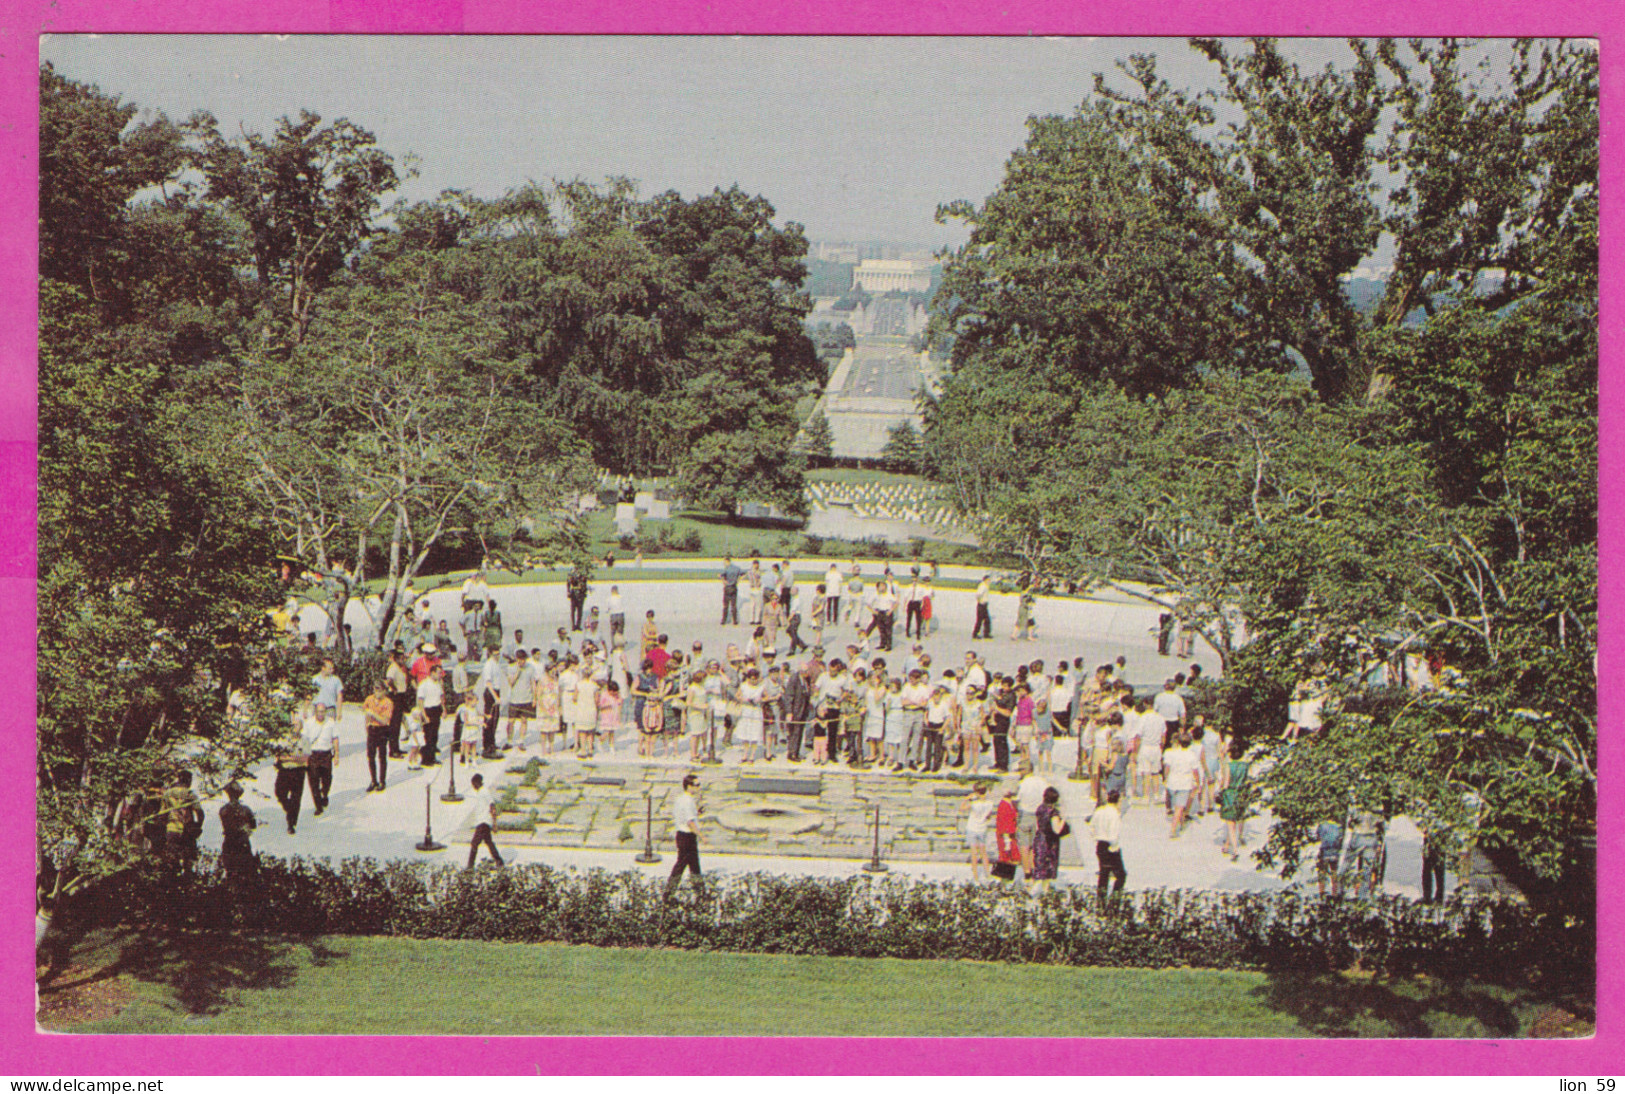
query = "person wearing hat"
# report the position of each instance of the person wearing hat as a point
(236, 852)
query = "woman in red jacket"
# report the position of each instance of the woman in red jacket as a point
(1009, 846)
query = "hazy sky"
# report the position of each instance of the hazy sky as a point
(856, 138)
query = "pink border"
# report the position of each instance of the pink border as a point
(24, 1052)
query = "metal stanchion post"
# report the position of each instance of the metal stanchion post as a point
(711, 748)
(1078, 775)
(648, 832)
(428, 843)
(874, 865)
(451, 794)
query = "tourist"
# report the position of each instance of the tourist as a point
(617, 614)
(1433, 858)
(1024, 605)
(586, 714)
(773, 681)
(1207, 745)
(329, 688)
(894, 731)
(401, 695)
(321, 745)
(1106, 826)
(793, 624)
(730, 589)
(884, 610)
(938, 713)
(1044, 740)
(649, 636)
(852, 710)
(1029, 796)
(1022, 729)
(1002, 701)
(686, 821)
(431, 700)
(183, 823)
(916, 698)
(978, 811)
(492, 686)
(696, 703)
(1051, 827)
(983, 628)
(521, 699)
(1059, 701)
(413, 728)
(1365, 851)
(832, 595)
(1328, 863)
(482, 810)
(291, 775)
(1169, 706)
(1006, 829)
(1149, 731)
(854, 595)
(753, 583)
(972, 727)
(787, 586)
(874, 716)
(467, 726)
(796, 705)
(748, 727)
(376, 710)
(1180, 772)
(827, 691)
(575, 590)
(1233, 794)
(236, 825)
(913, 623)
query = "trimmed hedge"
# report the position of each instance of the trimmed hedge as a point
(1485, 938)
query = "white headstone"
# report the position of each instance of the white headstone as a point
(643, 501)
(625, 511)
(627, 525)
(659, 510)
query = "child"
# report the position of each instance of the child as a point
(586, 712)
(469, 724)
(609, 714)
(937, 712)
(979, 810)
(1022, 730)
(413, 724)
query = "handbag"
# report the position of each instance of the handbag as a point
(1066, 828)
(1004, 871)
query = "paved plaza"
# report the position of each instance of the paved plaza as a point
(560, 818)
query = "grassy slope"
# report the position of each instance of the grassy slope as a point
(397, 986)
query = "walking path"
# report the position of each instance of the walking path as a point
(389, 825)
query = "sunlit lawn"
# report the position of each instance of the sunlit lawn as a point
(241, 984)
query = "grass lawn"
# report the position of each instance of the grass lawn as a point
(859, 476)
(126, 983)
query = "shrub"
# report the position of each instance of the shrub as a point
(812, 545)
(859, 917)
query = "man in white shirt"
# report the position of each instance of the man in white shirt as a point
(913, 600)
(885, 612)
(1181, 772)
(1168, 705)
(482, 814)
(975, 674)
(320, 740)
(1107, 828)
(916, 696)
(617, 614)
(984, 620)
(685, 820)
(832, 594)
(492, 684)
(431, 701)
(521, 698)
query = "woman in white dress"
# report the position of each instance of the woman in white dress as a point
(697, 714)
(874, 715)
(748, 728)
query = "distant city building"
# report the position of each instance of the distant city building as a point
(876, 275)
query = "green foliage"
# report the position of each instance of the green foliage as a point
(865, 917)
(903, 450)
